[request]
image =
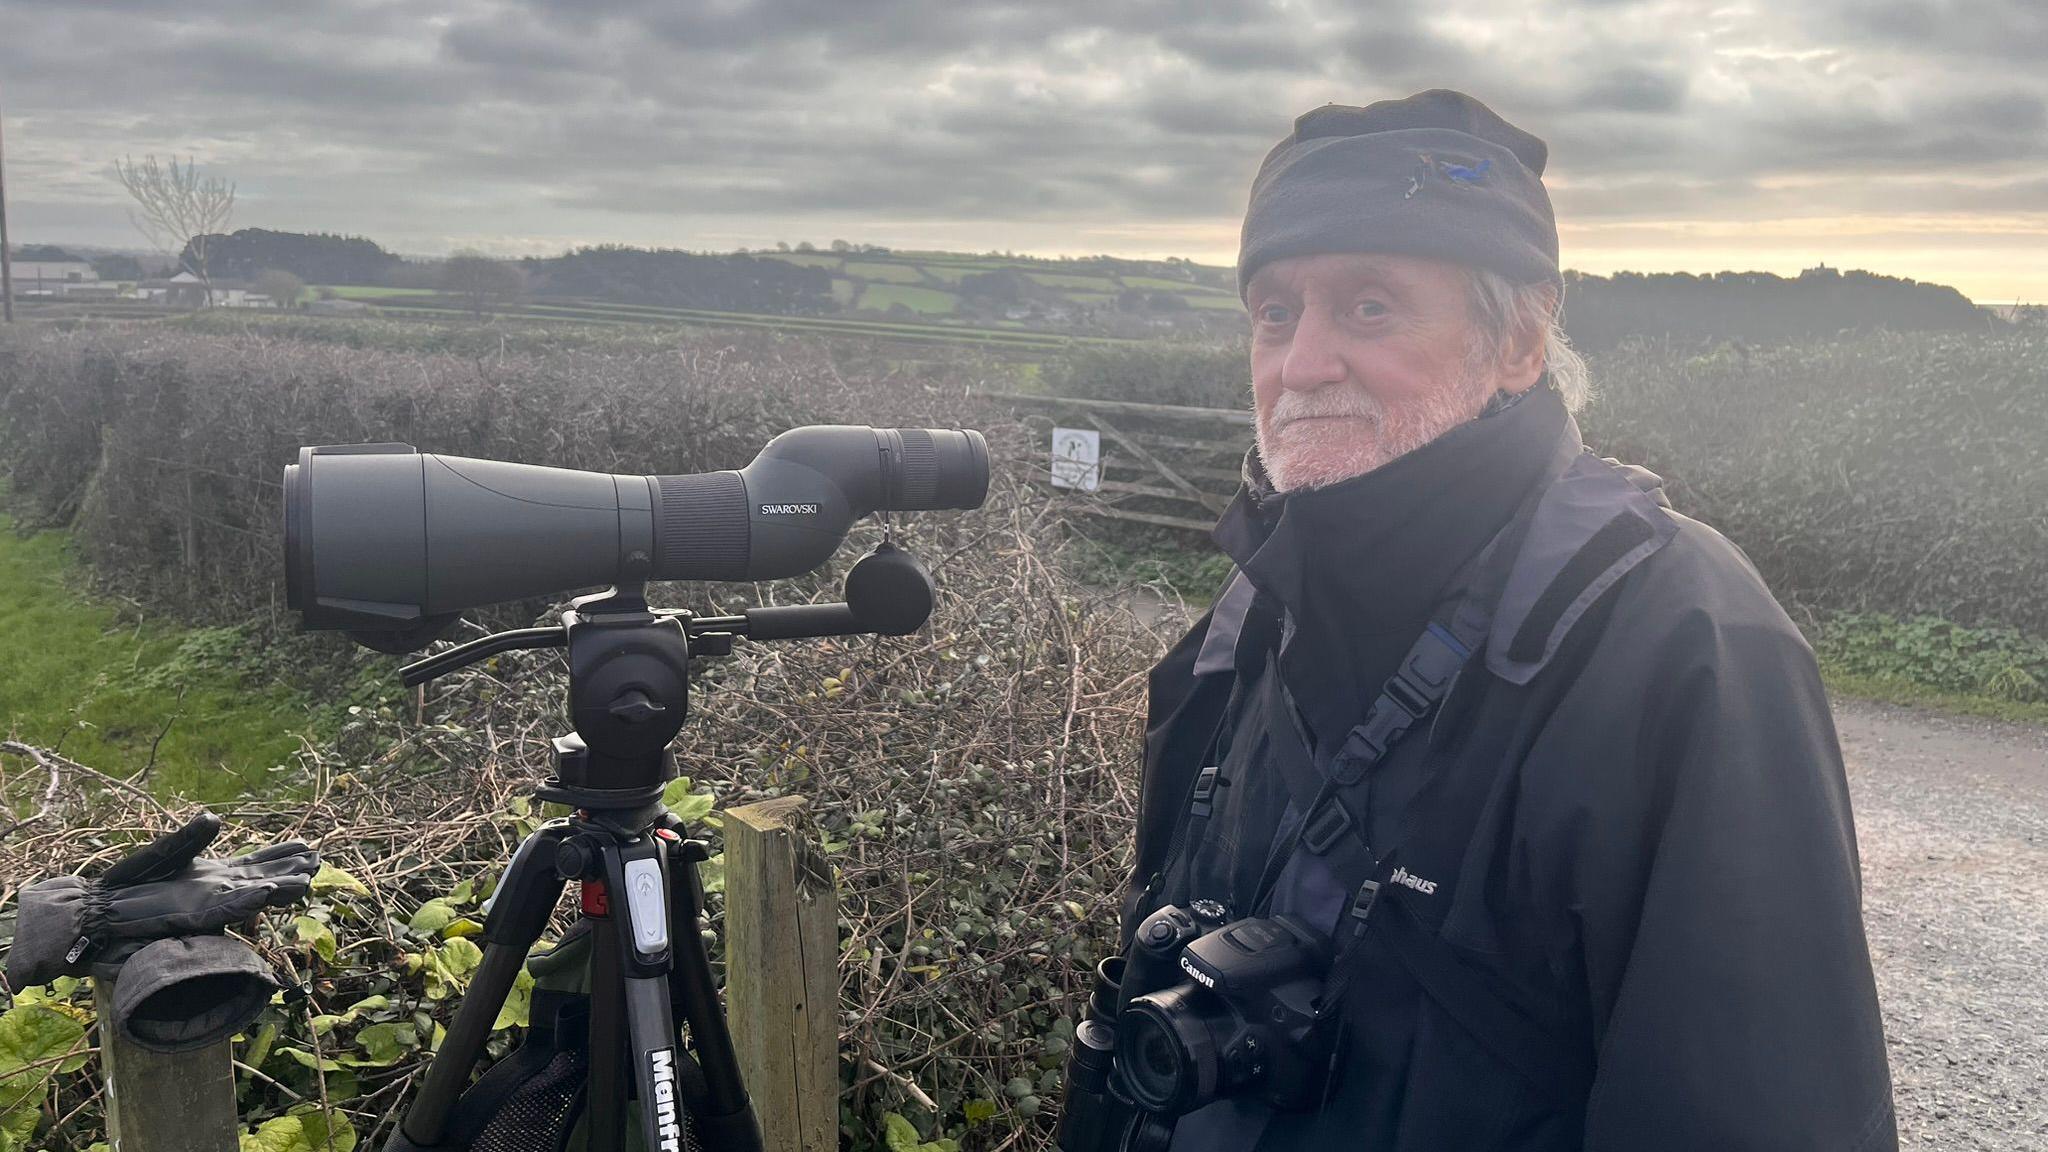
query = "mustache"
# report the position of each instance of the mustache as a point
(1326, 402)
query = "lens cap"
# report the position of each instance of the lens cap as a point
(890, 591)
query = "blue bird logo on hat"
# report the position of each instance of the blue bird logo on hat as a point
(1465, 174)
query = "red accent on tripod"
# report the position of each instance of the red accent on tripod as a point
(595, 900)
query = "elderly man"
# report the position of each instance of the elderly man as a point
(1527, 783)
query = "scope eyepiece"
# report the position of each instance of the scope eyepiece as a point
(382, 538)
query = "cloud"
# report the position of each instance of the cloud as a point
(1060, 124)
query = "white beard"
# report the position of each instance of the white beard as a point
(1316, 439)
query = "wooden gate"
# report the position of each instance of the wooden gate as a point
(1160, 463)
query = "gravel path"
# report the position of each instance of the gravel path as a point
(1952, 817)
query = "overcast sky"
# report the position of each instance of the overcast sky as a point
(1905, 136)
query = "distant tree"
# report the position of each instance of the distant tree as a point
(283, 288)
(412, 274)
(1755, 307)
(482, 283)
(118, 267)
(178, 209)
(44, 254)
(685, 280)
(1131, 300)
(782, 245)
(806, 246)
(1002, 286)
(841, 246)
(316, 258)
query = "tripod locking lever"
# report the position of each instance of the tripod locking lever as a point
(633, 707)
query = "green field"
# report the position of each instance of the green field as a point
(930, 301)
(368, 292)
(109, 691)
(1064, 280)
(807, 259)
(1163, 284)
(1213, 300)
(876, 271)
(607, 313)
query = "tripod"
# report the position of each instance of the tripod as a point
(628, 697)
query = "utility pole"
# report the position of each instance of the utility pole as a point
(6, 261)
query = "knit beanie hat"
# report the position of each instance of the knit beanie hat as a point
(1437, 175)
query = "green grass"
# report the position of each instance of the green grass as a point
(1064, 280)
(600, 312)
(1161, 283)
(875, 270)
(947, 273)
(930, 301)
(370, 292)
(78, 676)
(807, 259)
(1900, 690)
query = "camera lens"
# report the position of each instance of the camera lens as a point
(1166, 1051)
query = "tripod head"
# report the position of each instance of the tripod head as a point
(629, 669)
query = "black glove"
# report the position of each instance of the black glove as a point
(69, 926)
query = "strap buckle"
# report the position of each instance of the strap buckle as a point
(1205, 792)
(1362, 901)
(1325, 826)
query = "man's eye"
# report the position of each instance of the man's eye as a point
(1276, 314)
(1370, 309)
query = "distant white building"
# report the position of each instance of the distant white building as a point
(187, 291)
(52, 278)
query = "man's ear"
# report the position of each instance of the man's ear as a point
(1522, 360)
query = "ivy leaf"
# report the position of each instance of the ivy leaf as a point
(33, 1033)
(900, 1135)
(308, 1131)
(518, 1007)
(461, 926)
(687, 805)
(306, 1059)
(386, 1043)
(316, 935)
(433, 916)
(330, 878)
(980, 1111)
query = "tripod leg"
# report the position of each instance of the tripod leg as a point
(636, 878)
(604, 1113)
(728, 1114)
(519, 913)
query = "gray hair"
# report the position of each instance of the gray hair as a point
(1502, 309)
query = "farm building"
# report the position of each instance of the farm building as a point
(53, 278)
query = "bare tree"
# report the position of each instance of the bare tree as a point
(283, 288)
(178, 209)
(482, 282)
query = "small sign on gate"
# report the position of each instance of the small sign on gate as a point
(1077, 458)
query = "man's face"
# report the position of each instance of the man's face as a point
(1358, 358)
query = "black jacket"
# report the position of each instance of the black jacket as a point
(1660, 868)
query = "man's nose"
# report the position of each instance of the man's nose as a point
(1313, 360)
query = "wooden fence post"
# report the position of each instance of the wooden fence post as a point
(165, 1101)
(782, 973)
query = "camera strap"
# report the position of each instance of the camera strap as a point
(1332, 807)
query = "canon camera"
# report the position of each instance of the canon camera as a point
(1201, 1008)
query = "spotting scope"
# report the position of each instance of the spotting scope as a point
(382, 538)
